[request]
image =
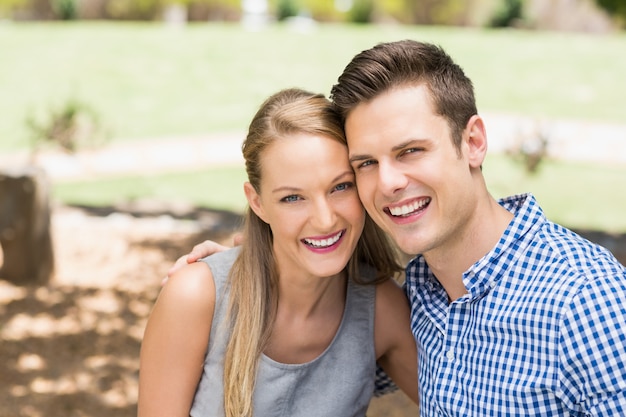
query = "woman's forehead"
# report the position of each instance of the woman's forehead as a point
(302, 156)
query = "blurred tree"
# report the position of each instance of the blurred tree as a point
(25, 237)
(8, 6)
(441, 12)
(398, 10)
(286, 9)
(617, 8)
(322, 10)
(568, 15)
(507, 14)
(65, 9)
(361, 11)
(132, 10)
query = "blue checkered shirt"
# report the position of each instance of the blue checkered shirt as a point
(541, 332)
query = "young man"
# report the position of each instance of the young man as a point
(513, 315)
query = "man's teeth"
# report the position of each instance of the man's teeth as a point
(323, 243)
(409, 208)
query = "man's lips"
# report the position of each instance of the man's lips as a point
(409, 208)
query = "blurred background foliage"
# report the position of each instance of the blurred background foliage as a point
(587, 15)
(73, 75)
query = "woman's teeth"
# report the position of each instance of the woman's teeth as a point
(323, 243)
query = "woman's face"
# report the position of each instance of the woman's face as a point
(309, 198)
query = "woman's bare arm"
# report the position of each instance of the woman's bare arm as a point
(395, 344)
(175, 343)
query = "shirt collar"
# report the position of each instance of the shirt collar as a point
(486, 272)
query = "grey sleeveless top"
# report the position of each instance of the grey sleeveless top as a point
(338, 383)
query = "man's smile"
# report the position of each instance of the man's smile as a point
(408, 209)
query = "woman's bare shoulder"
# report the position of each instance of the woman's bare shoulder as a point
(192, 284)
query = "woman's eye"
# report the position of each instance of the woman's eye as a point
(290, 198)
(343, 186)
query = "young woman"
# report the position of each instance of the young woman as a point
(294, 321)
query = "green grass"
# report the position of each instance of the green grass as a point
(577, 195)
(573, 194)
(147, 80)
(220, 188)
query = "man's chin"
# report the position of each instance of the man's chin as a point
(406, 243)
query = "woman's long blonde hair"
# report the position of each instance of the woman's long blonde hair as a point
(253, 277)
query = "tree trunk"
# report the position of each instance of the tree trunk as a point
(25, 237)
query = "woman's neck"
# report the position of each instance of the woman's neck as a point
(308, 316)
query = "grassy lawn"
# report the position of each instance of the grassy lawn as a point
(578, 195)
(220, 188)
(145, 80)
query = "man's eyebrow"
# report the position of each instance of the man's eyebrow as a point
(396, 148)
(356, 158)
(408, 143)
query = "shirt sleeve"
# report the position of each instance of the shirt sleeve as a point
(383, 384)
(593, 349)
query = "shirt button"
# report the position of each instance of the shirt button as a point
(450, 355)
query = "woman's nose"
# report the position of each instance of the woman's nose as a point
(324, 215)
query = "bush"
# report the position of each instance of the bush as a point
(361, 11)
(70, 126)
(509, 12)
(530, 148)
(286, 9)
(616, 8)
(132, 10)
(65, 9)
(441, 12)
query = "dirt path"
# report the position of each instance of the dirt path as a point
(567, 140)
(141, 156)
(71, 348)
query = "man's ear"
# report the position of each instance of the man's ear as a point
(475, 138)
(254, 200)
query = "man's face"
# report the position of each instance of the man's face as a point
(409, 175)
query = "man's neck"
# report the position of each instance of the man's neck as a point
(448, 263)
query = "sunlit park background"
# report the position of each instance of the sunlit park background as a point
(148, 81)
(90, 82)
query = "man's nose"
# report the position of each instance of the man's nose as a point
(391, 178)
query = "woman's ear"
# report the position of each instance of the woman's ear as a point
(254, 200)
(476, 139)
